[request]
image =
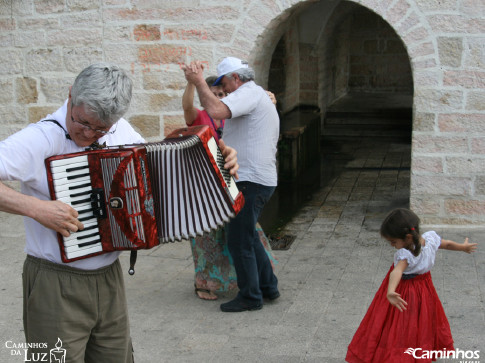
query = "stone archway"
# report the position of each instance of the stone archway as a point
(323, 82)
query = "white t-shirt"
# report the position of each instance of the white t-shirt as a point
(425, 260)
(253, 130)
(22, 157)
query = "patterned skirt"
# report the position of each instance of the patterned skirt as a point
(388, 335)
(214, 268)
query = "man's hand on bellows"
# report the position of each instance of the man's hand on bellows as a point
(230, 156)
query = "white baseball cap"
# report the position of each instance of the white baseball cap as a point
(228, 65)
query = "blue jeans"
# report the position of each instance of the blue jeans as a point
(254, 272)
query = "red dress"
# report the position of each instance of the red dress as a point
(385, 333)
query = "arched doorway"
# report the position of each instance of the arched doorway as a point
(339, 69)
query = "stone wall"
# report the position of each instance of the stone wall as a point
(46, 43)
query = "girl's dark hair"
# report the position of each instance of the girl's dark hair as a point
(210, 81)
(399, 223)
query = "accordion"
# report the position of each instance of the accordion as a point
(135, 197)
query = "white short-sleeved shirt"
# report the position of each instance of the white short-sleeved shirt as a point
(253, 130)
(425, 260)
(22, 157)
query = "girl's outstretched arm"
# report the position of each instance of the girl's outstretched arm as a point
(453, 246)
(394, 298)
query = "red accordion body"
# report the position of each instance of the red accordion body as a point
(137, 196)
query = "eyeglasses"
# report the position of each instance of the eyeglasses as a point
(96, 131)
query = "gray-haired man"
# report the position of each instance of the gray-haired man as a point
(82, 303)
(252, 128)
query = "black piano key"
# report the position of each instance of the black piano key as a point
(72, 177)
(85, 218)
(81, 201)
(70, 170)
(80, 194)
(88, 236)
(80, 186)
(89, 243)
(94, 226)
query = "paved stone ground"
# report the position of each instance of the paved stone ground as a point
(327, 279)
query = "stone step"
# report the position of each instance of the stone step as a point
(371, 132)
(376, 121)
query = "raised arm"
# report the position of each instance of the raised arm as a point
(190, 112)
(454, 246)
(54, 215)
(394, 279)
(214, 107)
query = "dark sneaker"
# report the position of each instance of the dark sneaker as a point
(236, 306)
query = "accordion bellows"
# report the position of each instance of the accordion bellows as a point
(137, 196)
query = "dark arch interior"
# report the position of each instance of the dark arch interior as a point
(343, 81)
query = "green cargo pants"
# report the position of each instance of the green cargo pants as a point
(85, 311)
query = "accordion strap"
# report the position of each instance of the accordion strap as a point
(94, 146)
(58, 124)
(133, 255)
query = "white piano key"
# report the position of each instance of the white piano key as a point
(64, 168)
(68, 161)
(69, 174)
(62, 184)
(74, 248)
(84, 231)
(84, 251)
(69, 192)
(76, 242)
(70, 200)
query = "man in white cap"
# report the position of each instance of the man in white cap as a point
(252, 128)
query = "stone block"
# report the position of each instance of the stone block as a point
(56, 90)
(450, 51)
(11, 61)
(423, 205)
(146, 33)
(78, 58)
(441, 185)
(423, 121)
(465, 165)
(171, 123)
(465, 207)
(26, 90)
(147, 125)
(43, 60)
(6, 91)
(428, 164)
(480, 185)
(461, 123)
(438, 100)
(36, 113)
(478, 145)
(440, 144)
(475, 101)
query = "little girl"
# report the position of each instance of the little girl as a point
(406, 311)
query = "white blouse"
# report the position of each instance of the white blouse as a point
(425, 260)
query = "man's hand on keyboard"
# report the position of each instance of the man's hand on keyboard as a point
(58, 216)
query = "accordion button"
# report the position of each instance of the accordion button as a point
(116, 203)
